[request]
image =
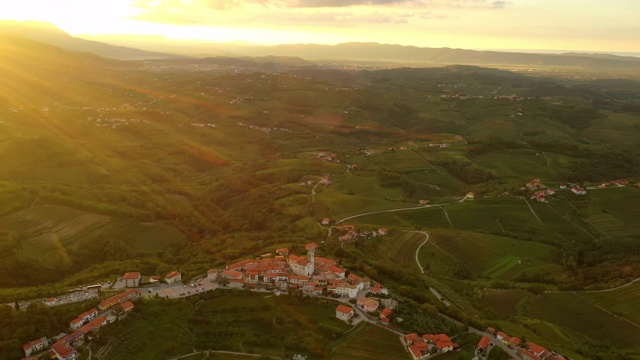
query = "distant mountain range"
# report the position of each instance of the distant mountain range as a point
(49, 34)
(163, 48)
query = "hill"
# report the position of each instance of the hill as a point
(49, 34)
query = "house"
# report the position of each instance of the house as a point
(63, 351)
(127, 306)
(385, 315)
(131, 279)
(578, 190)
(442, 342)
(282, 251)
(483, 344)
(100, 321)
(470, 196)
(173, 277)
(83, 318)
(344, 313)
(620, 182)
(326, 221)
(501, 335)
(491, 330)
(527, 355)
(154, 278)
(383, 231)
(131, 294)
(417, 347)
(367, 304)
(512, 342)
(537, 349)
(424, 202)
(236, 283)
(212, 275)
(35, 346)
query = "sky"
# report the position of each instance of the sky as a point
(581, 25)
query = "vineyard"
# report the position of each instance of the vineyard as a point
(369, 343)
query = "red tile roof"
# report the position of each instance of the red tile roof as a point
(537, 349)
(484, 343)
(172, 274)
(528, 353)
(311, 245)
(131, 276)
(501, 334)
(33, 343)
(344, 309)
(127, 306)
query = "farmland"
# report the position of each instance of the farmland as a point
(578, 313)
(369, 343)
(506, 303)
(624, 302)
(488, 255)
(400, 247)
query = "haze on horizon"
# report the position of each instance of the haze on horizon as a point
(579, 25)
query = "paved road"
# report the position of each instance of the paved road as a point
(496, 342)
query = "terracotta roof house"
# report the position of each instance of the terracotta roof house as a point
(527, 355)
(344, 313)
(34, 346)
(173, 277)
(131, 279)
(483, 344)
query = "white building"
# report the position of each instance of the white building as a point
(35, 346)
(173, 277)
(132, 279)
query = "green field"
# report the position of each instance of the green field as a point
(624, 302)
(487, 255)
(227, 320)
(620, 213)
(368, 343)
(400, 247)
(505, 303)
(578, 313)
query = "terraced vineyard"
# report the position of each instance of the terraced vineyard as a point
(624, 302)
(491, 256)
(578, 313)
(400, 247)
(369, 343)
(505, 302)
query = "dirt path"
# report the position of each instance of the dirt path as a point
(419, 247)
(223, 352)
(533, 212)
(615, 288)
(447, 215)
(498, 221)
(384, 211)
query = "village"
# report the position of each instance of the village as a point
(359, 299)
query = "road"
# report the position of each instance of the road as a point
(419, 247)
(223, 352)
(496, 342)
(384, 211)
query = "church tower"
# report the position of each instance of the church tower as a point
(311, 255)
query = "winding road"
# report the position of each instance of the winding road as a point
(384, 211)
(420, 247)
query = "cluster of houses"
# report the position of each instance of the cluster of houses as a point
(83, 326)
(134, 279)
(619, 183)
(324, 156)
(351, 233)
(310, 274)
(528, 351)
(422, 347)
(368, 305)
(542, 192)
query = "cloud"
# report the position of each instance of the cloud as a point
(499, 4)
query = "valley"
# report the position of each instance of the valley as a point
(109, 166)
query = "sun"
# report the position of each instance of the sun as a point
(73, 16)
